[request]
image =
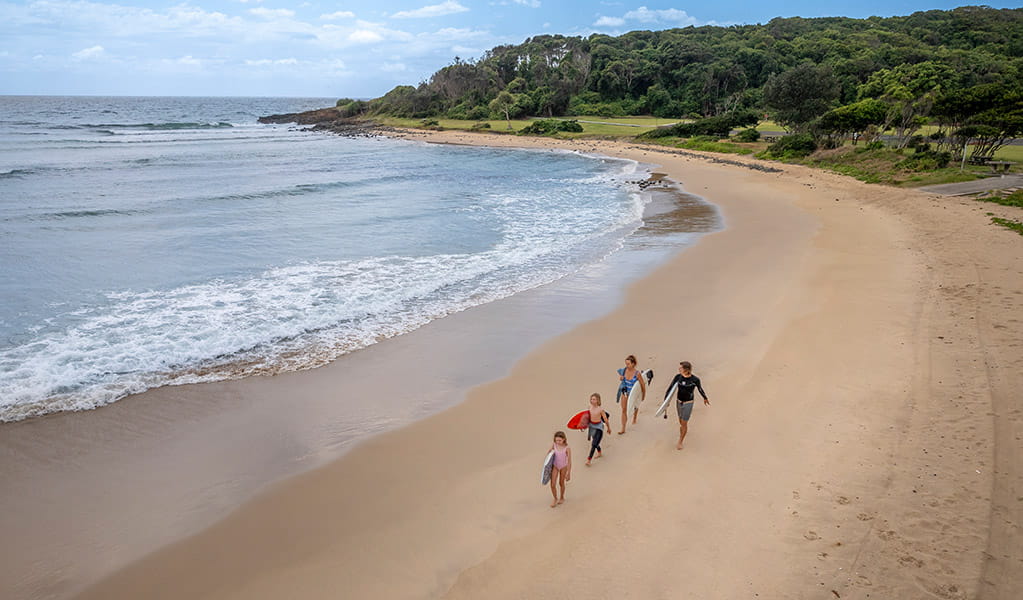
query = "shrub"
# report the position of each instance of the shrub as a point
(792, 146)
(718, 127)
(747, 136)
(479, 126)
(926, 160)
(477, 113)
(551, 127)
(351, 108)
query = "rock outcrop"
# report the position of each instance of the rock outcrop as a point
(327, 119)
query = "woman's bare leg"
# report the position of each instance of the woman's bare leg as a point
(625, 412)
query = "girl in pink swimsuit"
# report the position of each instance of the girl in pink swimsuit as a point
(562, 471)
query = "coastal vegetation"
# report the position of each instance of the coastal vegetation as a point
(931, 97)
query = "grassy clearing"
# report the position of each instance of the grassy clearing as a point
(887, 166)
(603, 129)
(1011, 153)
(497, 126)
(705, 145)
(643, 121)
(769, 126)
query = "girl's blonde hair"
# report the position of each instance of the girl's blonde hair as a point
(560, 434)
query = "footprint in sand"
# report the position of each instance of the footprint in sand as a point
(811, 535)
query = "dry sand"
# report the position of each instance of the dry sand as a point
(862, 348)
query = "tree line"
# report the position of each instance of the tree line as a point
(822, 77)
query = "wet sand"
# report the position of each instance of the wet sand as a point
(862, 350)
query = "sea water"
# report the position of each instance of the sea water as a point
(157, 241)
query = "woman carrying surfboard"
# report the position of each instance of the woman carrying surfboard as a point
(628, 378)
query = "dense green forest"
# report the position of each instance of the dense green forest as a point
(822, 77)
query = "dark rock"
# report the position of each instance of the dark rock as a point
(328, 119)
(309, 117)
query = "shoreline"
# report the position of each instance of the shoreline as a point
(803, 478)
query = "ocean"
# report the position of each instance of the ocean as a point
(158, 241)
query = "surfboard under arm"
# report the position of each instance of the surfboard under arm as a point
(662, 409)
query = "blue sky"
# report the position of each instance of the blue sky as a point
(323, 48)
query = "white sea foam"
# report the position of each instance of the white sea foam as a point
(303, 315)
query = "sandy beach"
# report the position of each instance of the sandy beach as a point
(862, 348)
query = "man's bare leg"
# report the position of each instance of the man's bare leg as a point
(683, 429)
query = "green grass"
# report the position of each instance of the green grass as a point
(602, 129)
(887, 166)
(1014, 199)
(946, 175)
(645, 121)
(703, 145)
(1011, 153)
(709, 146)
(1012, 224)
(769, 126)
(499, 126)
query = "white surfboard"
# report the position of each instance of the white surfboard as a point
(636, 394)
(667, 400)
(548, 468)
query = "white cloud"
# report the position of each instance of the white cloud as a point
(609, 22)
(278, 66)
(670, 15)
(529, 3)
(182, 64)
(335, 16)
(267, 62)
(364, 36)
(273, 13)
(89, 53)
(448, 7)
(452, 34)
(245, 42)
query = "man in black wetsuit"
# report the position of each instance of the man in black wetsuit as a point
(687, 384)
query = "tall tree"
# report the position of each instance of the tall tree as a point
(909, 91)
(799, 95)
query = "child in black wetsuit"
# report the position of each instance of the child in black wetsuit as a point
(595, 431)
(687, 385)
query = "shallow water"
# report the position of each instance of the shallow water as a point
(155, 241)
